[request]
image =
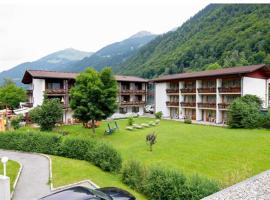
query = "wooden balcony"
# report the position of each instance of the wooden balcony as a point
(172, 91)
(56, 91)
(128, 92)
(28, 105)
(172, 103)
(229, 89)
(207, 90)
(207, 105)
(188, 104)
(132, 103)
(224, 106)
(188, 90)
(29, 92)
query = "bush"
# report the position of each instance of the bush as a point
(158, 115)
(133, 174)
(15, 121)
(199, 187)
(244, 112)
(48, 114)
(98, 153)
(106, 157)
(130, 121)
(187, 121)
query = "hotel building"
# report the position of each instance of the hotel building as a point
(205, 96)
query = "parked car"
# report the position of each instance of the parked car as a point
(83, 193)
(149, 109)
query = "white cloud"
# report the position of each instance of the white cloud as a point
(30, 29)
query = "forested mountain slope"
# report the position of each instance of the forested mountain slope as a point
(229, 34)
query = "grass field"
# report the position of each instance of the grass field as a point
(12, 171)
(67, 170)
(226, 155)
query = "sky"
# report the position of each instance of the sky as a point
(31, 29)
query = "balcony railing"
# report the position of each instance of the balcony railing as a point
(223, 105)
(172, 103)
(127, 92)
(55, 91)
(207, 105)
(188, 90)
(172, 90)
(28, 105)
(188, 104)
(229, 89)
(207, 90)
(132, 102)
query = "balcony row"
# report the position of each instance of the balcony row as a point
(200, 105)
(205, 90)
(127, 92)
(127, 103)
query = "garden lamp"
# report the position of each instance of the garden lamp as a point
(4, 160)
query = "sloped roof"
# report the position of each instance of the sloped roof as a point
(218, 72)
(29, 74)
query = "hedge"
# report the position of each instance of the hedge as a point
(160, 184)
(96, 152)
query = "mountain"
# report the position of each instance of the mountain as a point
(113, 54)
(56, 61)
(220, 34)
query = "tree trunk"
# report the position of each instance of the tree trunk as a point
(93, 126)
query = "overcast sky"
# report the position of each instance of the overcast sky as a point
(30, 29)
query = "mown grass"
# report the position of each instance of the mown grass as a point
(12, 171)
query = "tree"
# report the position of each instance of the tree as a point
(244, 112)
(94, 95)
(213, 66)
(151, 139)
(11, 95)
(48, 114)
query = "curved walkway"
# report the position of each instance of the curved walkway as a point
(34, 180)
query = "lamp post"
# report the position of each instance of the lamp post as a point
(4, 160)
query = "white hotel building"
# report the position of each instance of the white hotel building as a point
(205, 96)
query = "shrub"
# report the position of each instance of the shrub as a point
(47, 115)
(15, 122)
(133, 174)
(107, 158)
(98, 153)
(199, 187)
(165, 184)
(130, 121)
(158, 115)
(244, 112)
(151, 139)
(187, 121)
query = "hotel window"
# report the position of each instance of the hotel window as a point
(54, 85)
(123, 110)
(135, 109)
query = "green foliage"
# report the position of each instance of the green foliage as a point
(130, 121)
(94, 95)
(228, 34)
(158, 115)
(15, 121)
(213, 66)
(98, 153)
(187, 121)
(107, 158)
(133, 175)
(151, 139)
(11, 95)
(48, 114)
(244, 112)
(159, 183)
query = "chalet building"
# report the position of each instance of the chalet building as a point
(205, 96)
(131, 98)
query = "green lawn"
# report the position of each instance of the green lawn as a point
(226, 155)
(12, 171)
(67, 170)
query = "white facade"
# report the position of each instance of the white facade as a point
(161, 98)
(38, 87)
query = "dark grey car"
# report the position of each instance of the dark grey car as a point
(83, 193)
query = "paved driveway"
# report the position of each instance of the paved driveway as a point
(34, 179)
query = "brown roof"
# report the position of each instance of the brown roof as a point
(218, 72)
(130, 78)
(29, 74)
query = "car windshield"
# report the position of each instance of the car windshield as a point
(101, 195)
